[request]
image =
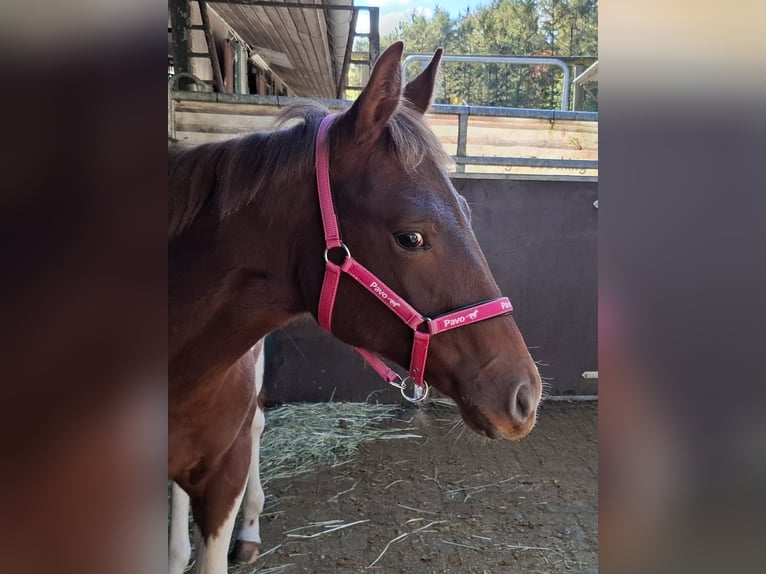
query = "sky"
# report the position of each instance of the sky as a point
(394, 11)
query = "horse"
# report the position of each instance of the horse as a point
(247, 542)
(252, 246)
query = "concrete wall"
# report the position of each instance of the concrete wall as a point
(540, 240)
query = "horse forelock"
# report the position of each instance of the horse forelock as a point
(233, 172)
(413, 141)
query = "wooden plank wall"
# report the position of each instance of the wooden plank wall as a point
(521, 137)
(198, 121)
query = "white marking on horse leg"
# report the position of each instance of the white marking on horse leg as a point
(180, 547)
(259, 365)
(254, 496)
(212, 554)
(252, 506)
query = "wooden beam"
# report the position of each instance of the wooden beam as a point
(228, 64)
(179, 23)
(578, 91)
(272, 4)
(211, 46)
(374, 35)
(343, 80)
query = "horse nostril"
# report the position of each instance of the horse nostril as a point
(522, 403)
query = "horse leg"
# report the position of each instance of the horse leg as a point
(247, 546)
(216, 511)
(213, 547)
(180, 547)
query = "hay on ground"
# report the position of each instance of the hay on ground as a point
(303, 437)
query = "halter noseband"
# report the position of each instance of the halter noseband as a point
(423, 327)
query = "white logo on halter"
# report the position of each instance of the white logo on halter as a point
(506, 305)
(383, 295)
(461, 319)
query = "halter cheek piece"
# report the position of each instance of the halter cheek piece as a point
(423, 327)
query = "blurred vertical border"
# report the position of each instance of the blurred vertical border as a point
(682, 210)
(83, 273)
(83, 286)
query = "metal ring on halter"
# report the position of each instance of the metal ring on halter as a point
(398, 384)
(342, 246)
(418, 393)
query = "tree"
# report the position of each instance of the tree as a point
(505, 27)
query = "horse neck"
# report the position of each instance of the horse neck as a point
(233, 280)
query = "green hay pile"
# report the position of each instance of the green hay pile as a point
(303, 437)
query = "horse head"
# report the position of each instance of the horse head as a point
(402, 218)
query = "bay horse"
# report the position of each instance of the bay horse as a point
(245, 256)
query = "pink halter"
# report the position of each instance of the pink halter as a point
(452, 320)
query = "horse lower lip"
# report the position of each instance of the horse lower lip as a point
(481, 426)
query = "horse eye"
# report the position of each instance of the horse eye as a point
(411, 240)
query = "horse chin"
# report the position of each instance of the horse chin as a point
(483, 426)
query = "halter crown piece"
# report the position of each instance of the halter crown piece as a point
(421, 338)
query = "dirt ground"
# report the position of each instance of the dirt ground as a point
(453, 501)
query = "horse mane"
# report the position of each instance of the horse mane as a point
(232, 173)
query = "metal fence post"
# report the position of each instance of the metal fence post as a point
(462, 139)
(374, 35)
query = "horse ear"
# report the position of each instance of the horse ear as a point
(420, 90)
(379, 99)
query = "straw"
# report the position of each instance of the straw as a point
(303, 437)
(404, 535)
(468, 491)
(327, 530)
(390, 542)
(415, 509)
(460, 545)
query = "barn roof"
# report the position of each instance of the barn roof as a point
(304, 47)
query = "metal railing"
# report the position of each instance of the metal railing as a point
(529, 61)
